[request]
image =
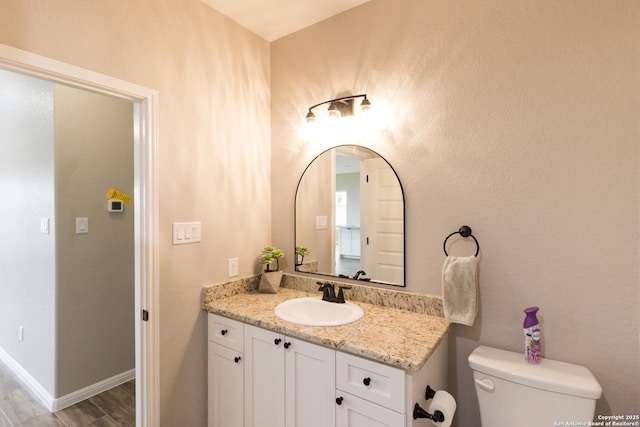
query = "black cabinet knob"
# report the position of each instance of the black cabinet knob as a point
(237, 359)
(366, 381)
(277, 341)
(223, 332)
(287, 345)
(339, 400)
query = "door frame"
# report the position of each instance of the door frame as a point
(145, 201)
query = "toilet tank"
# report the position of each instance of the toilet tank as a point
(512, 392)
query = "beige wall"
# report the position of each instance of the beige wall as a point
(519, 119)
(315, 198)
(212, 77)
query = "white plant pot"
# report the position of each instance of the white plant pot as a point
(270, 282)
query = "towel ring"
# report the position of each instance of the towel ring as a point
(464, 231)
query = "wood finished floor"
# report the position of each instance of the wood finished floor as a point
(19, 408)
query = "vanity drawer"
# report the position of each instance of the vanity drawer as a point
(226, 332)
(373, 381)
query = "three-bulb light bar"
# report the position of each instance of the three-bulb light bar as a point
(341, 107)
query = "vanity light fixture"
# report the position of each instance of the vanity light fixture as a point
(341, 107)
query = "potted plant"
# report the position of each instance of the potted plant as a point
(301, 251)
(271, 276)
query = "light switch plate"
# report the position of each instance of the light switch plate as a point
(321, 222)
(186, 232)
(44, 225)
(82, 225)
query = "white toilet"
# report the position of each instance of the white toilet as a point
(512, 392)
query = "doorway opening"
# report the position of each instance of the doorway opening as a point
(144, 201)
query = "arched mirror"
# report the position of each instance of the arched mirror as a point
(349, 217)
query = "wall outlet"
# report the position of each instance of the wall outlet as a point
(233, 267)
(20, 333)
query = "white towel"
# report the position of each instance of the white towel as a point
(460, 289)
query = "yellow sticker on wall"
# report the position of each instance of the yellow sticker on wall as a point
(118, 195)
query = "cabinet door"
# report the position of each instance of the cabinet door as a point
(310, 385)
(225, 387)
(264, 378)
(353, 411)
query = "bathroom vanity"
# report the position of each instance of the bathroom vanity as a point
(263, 371)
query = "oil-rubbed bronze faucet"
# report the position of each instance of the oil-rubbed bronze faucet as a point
(340, 297)
(357, 276)
(329, 292)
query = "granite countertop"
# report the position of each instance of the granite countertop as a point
(397, 337)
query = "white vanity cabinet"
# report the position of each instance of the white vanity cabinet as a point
(281, 381)
(288, 382)
(225, 372)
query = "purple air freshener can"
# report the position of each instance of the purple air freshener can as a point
(532, 338)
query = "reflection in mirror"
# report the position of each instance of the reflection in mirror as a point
(349, 217)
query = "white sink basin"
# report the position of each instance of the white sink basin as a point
(313, 311)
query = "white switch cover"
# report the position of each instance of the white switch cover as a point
(186, 232)
(233, 267)
(44, 225)
(82, 225)
(321, 222)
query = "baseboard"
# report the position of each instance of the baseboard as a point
(92, 390)
(53, 404)
(38, 390)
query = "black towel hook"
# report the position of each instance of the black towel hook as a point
(464, 231)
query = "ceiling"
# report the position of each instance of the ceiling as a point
(272, 19)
